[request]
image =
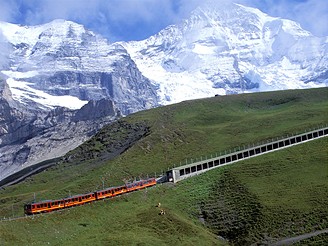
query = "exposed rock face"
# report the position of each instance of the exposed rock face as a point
(63, 83)
(63, 64)
(29, 137)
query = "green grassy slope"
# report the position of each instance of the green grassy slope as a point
(190, 129)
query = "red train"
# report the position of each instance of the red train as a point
(51, 205)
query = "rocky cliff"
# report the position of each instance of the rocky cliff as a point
(28, 137)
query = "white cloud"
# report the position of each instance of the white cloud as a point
(5, 49)
(312, 14)
(8, 9)
(129, 18)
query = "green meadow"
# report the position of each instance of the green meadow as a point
(260, 200)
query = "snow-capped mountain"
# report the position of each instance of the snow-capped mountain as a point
(228, 49)
(29, 136)
(63, 82)
(63, 64)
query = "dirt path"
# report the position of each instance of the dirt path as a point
(289, 241)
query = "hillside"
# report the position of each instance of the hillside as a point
(270, 197)
(52, 70)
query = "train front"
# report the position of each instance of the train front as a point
(28, 209)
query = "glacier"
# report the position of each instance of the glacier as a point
(60, 82)
(230, 49)
(61, 63)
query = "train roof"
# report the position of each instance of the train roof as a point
(74, 196)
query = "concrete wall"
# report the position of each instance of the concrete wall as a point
(179, 173)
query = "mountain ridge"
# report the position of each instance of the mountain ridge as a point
(222, 51)
(61, 72)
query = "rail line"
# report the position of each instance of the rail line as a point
(178, 173)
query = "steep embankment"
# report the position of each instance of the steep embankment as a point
(246, 194)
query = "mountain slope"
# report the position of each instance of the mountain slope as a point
(293, 203)
(30, 136)
(228, 49)
(53, 69)
(61, 83)
(63, 64)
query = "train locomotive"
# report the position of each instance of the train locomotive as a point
(51, 205)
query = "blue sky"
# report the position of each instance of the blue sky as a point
(138, 19)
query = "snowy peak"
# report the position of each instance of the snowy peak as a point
(219, 49)
(63, 64)
(56, 30)
(230, 48)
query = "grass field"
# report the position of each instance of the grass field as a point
(262, 199)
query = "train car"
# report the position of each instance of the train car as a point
(110, 192)
(51, 205)
(141, 184)
(79, 199)
(44, 206)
